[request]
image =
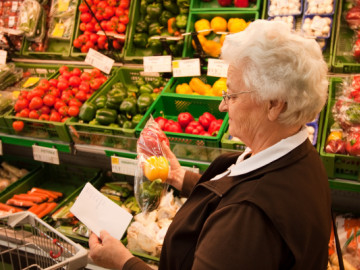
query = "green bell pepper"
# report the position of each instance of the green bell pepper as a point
(171, 6)
(128, 125)
(118, 85)
(140, 81)
(183, 3)
(87, 111)
(114, 125)
(150, 194)
(155, 46)
(144, 102)
(158, 82)
(184, 10)
(143, 5)
(94, 122)
(181, 21)
(154, 10)
(165, 16)
(121, 119)
(154, 29)
(136, 119)
(141, 27)
(128, 107)
(100, 101)
(106, 116)
(146, 88)
(132, 88)
(154, 95)
(179, 46)
(115, 97)
(140, 40)
(149, 20)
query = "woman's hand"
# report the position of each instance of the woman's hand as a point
(107, 251)
(177, 173)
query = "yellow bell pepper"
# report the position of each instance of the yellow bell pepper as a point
(212, 48)
(202, 40)
(198, 86)
(202, 24)
(209, 92)
(236, 25)
(156, 168)
(219, 86)
(334, 135)
(218, 24)
(183, 89)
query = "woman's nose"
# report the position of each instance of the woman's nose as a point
(223, 106)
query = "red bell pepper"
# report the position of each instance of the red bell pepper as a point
(353, 144)
(205, 133)
(194, 127)
(225, 3)
(241, 3)
(335, 147)
(161, 121)
(205, 120)
(172, 126)
(215, 126)
(184, 119)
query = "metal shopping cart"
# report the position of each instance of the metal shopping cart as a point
(28, 243)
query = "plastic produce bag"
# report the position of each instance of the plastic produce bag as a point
(62, 19)
(29, 15)
(153, 167)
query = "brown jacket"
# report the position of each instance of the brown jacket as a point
(276, 217)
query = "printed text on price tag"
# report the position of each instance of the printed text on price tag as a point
(46, 154)
(186, 68)
(157, 63)
(125, 166)
(99, 61)
(217, 68)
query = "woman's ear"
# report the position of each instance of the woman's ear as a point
(275, 108)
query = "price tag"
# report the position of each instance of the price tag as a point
(3, 56)
(46, 154)
(99, 61)
(186, 68)
(63, 5)
(123, 165)
(1, 150)
(14, 6)
(217, 68)
(192, 169)
(157, 63)
(58, 30)
(11, 22)
(30, 82)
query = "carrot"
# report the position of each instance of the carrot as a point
(20, 203)
(37, 208)
(27, 197)
(47, 210)
(41, 195)
(51, 193)
(8, 208)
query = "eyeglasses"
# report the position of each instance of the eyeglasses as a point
(226, 97)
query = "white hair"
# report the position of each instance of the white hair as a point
(280, 65)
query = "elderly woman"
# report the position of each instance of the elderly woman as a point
(268, 208)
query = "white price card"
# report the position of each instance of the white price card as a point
(3, 55)
(122, 165)
(217, 68)
(157, 63)
(46, 154)
(98, 212)
(99, 61)
(1, 150)
(186, 68)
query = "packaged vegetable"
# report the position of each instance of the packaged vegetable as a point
(61, 19)
(153, 167)
(29, 15)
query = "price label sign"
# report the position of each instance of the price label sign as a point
(1, 150)
(123, 165)
(186, 68)
(99, 61)
(46, 154)
(217, 68)
(3, 56)
(157, 63)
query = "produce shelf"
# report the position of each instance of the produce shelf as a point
(199, 5)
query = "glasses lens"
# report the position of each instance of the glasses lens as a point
(224, 96)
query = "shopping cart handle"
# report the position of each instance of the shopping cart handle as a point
(57, 255)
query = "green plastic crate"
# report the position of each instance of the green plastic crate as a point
(200, 5)
(197, 15)
(131, 53)
(62, 178)
(228, 143)
(343, 60)
(170, 105)
(337, 165)
(55, 48)
(101, 135)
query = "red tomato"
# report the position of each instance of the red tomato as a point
(44, 117)
(124, 4)
(119, 11)
(74, 102)
(94, 37)
(81, 95)
(110, 26)
(55, 116)
(82, 28)
(44, 84)
(77, 43)
(63, 120)
(76, 72)
(95, 73)
(55, 92)
(44, 109)
(62, 85)
(62, 69)
(35, 103)
(53, 82)
(74, 81)
(124, 19)
(85, 17)
(33, 114)
(95, 84)
(102, 5)
(115, 19)
(90, 27)
(112, 3)
(83, 8)
(63, 111)
(66, 96)
(84, 86)
(84, 49)
(49, 100)
(18, 125)
(97, 27)
(116, 44)
(66, 74)
(89, 44)
(21, 104)
(83, 39)
(58, 104)
(73, 110)
(121, 28)
(108, 12)
(85, 76)
(99, 16)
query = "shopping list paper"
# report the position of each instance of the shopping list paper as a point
(98, 213)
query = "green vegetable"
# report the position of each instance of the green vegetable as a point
(136, 119)
(150, 194)
(154, 10)
(181, 21)
(184, 10)
(144, 101)
(171, 6)
(94, 122)
(158, 82)
(115, 97)
(106, 116)
(132, 88)
(87, 111)
(155, 46)
(128, 125)
(100, 101)
(154, 95)
(121, 119)
(128, 106)
(179, 46)
(143, 5)
(140, 81)
(183, 3)
(141, 27)
(154, 29)
(114, 125)
(118, 85)
(140, 40)
(165, 16)
(146, 88)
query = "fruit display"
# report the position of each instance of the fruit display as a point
(197, 87)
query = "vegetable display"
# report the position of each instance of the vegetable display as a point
(197, 87)
(10, 174)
